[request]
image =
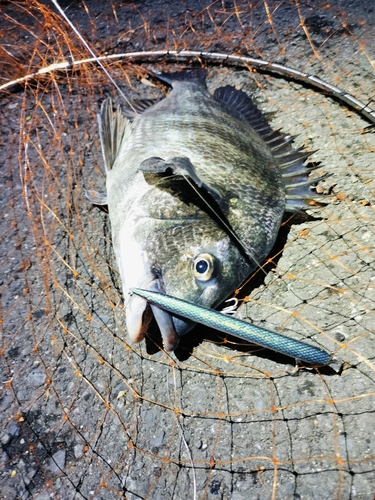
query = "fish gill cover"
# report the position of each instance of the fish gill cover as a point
(85, 414)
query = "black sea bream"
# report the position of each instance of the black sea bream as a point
(197, 186)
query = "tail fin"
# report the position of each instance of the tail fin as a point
(197, 75)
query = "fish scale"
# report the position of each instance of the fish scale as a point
(196, 195)
(199, 132)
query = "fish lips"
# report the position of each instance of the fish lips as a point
(139, 315)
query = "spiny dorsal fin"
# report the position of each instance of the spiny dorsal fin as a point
(114, 129)
(298, 191)
(239, 104)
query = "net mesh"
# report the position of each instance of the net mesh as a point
(85, 414)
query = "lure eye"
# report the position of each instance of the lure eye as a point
(204, 267)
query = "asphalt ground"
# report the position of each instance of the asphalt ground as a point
(84, 413)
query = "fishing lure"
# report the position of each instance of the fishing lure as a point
(237, 328)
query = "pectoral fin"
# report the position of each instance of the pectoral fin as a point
(206, 197)
(179, 165)
(197, 75)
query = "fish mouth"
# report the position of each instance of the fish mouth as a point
(139, 315)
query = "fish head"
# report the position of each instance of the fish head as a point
(194, 261)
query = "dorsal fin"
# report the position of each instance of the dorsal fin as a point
(238, 104)
(291, 161)
(114, 128)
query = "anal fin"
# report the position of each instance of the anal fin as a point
(114, 129)
(137, 106)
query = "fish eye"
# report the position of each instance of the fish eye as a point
(204, 266)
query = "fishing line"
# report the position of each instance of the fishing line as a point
(226, 226)
(232, 59)
(96, 58)
(316, 82)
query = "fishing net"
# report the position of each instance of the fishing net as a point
(85, 414)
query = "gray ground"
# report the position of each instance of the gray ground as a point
(84, 414)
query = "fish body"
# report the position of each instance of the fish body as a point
(196, 191)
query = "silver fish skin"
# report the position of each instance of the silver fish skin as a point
(168, 170)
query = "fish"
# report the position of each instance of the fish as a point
(196, 188)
